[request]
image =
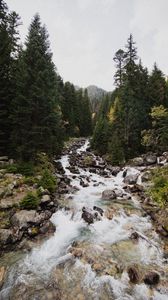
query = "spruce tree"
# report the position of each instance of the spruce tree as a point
(119, 61)
(8, 54)
(36, 114)
(157, 88)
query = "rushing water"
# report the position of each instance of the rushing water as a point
(104, 242)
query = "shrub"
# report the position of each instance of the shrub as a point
(30, 201)
(48, 181)
(159, 189)
(24, 168)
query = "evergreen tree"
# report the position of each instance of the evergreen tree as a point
(157, 88)
(119, 60)
(8, 54)
(36, 115)
(86, 117)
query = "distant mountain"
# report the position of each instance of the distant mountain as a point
(95, 92)
(96, 95)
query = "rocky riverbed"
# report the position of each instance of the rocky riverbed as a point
(110, 240)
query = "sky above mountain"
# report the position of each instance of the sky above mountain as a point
(85, 34)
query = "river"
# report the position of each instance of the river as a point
(104, 250)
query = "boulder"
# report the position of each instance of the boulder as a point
(109, 213)
(4, 158)
(6, 236)
(137, 161)
(88, 216)
(118, 193)
(133, 274)
(146, 176)
(114, 170)
(2, 275)
(45, 199)
(98, 209)
(152, 278)
(131, 179)
(150, 159)
(77, 252)
(108, 195)
(25, 218)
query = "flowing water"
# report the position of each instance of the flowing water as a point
(50, 271)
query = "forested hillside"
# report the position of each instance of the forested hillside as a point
(134, 119)
(38, 111)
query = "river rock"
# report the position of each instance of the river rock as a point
(146, 176)
(118, 193)
(88, 215)
(2, 275)
(100, 210)
(6, 236)
(108, 195)
(150, 159)
(133, 274)
(137, 161)
(76, 252)
(114, 170)
(109, 213)
(59, 166)
(131, 179)
(97, 267)
(152, 278)
(45, 199)
(25, 218)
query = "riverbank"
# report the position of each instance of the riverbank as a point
(119, 255)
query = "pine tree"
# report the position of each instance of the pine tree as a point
(86, 117)
(119, 60)
(157, 88)
(8, 54)
(36, 114)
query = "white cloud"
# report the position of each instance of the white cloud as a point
(85, 34)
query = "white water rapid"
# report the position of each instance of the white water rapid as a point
(104, 241)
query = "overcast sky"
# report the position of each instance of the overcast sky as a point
(85, 34)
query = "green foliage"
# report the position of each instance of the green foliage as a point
(156, 138)
(159, 189)
(24, 168)
(126, 115)
(30, 201)
(48, 181)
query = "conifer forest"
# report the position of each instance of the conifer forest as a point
(83, 171)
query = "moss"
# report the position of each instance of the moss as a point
(30, 201)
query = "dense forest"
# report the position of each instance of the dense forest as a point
(38, 111)
(134, 118)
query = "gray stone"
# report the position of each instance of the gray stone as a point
(5, 236)
(137, 161)
(131, 179)
(45, 199)
(151, 159)
(24, 218)
(108, 195)
(3, 158)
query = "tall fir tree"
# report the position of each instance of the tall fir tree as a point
(119, 59)
(9, 40)
(36, 115)
(157, 88)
